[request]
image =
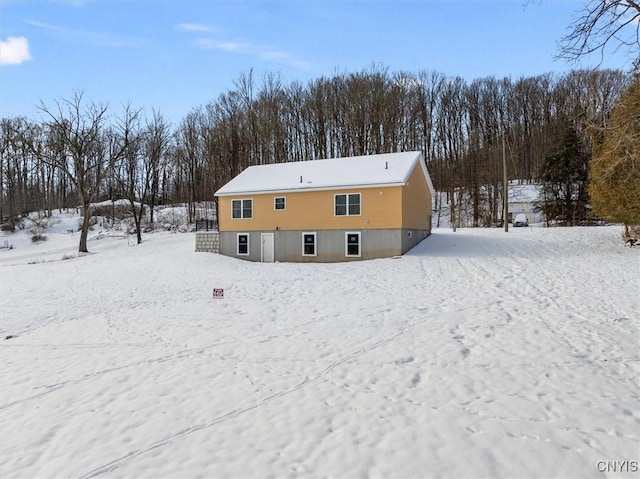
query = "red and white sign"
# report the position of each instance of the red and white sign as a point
(218, 293)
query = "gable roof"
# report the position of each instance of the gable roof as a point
(389, 169)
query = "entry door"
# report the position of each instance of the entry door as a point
(267, 248)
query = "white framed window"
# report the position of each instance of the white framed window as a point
(309, 242)
(346, 204)
(280, 203)
(242, 244)
(352, 244)
(242, 209)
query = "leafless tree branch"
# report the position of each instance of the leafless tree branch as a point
(601, 24)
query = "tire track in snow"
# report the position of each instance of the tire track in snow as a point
(183, 349)
(54, 387)
(181, 353)
(116, 463)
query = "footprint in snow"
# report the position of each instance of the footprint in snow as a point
(406, 360)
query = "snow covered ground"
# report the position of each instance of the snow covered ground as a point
(478, 354)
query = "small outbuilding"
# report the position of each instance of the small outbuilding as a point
(330, 210)
(523, 200)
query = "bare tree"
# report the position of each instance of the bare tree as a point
(13, 135)
(134, 177)
(21, 189)
(190, 159)
(601, 24)
(83, 149)
(157, 140)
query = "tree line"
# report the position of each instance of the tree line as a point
(80, 152)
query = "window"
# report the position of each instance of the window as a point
(347, 205)
(352, 243)
(308, 244)
(243, 244)
(241, 209)
(280, 203)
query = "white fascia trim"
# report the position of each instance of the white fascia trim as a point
(299, 190)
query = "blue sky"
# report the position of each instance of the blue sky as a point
(175, 55)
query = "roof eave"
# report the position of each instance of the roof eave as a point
(311, 188)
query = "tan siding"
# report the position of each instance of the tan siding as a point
(314, 210)
(416, 202)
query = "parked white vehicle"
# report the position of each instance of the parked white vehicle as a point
(520, 220)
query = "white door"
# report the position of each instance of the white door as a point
(267, 247)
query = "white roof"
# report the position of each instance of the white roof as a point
(349, 172)
(528, 193)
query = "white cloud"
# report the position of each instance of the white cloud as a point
(193, 27)
(14, 50)
(260, 51)
(46, 26)
(210, 44)
(96, 38)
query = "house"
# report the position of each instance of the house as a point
(326, 210)
(523, 199)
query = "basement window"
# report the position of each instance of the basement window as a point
(352, 243)
(243, 244)
(309, 244)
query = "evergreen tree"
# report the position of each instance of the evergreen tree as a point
(615, 168)
(564, 178)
